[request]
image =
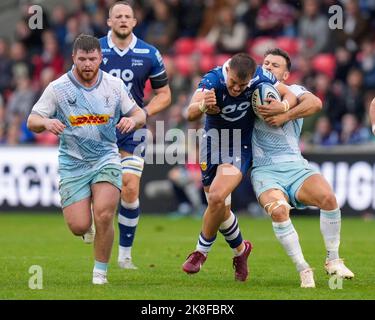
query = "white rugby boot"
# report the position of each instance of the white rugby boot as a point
(307, 278)
(338, 268)
(127, 263)
(99, 278)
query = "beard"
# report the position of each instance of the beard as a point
(121, 34)
(87, 75)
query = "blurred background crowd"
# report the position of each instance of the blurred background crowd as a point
(338, 65)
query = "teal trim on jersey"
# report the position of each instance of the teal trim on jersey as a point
(80, 86)
(74, 189)
(287, 177)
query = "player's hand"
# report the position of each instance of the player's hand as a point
(126, 125)
(210, 98)
(277, 120)
(54, 126)
(212, 109)
(273, 108)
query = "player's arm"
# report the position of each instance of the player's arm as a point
(308, 104)
(39, 119)
(161, 100)
(372, 115)
(202, 102)
(134, 119)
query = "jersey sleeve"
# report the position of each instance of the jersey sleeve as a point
(127, 101)
(47, 104)
(158, 76)
(209, 81)
(297, 90)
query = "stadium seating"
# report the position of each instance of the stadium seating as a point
(325, 63)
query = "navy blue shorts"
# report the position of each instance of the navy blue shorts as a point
(211, 157)
(133, 142)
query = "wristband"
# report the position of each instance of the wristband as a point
(146, 112)
(286, 105)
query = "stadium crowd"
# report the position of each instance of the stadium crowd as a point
(338, 65)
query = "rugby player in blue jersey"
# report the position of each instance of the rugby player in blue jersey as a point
(281, 177)
(224, 96)
(134, 61)
(84, 107)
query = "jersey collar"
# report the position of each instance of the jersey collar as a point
(121, 53)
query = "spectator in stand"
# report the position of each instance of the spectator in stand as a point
(18, 109)
(189, 16)
(353, 96)
(5, 66)
(313, 29)
(324, 135)
(355, 27)
(276, 18)
(366, 60)
(228, 35)
(50, 57)
(19, 62)
(163, 29)
(2, 120)
(249, 18)
(352, 131)
(99, 23)
(58, 23)
(344, 62)
(73, 30)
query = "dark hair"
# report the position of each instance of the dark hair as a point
(125, 3)
(243, 65)
(281, 53)
(86, 43)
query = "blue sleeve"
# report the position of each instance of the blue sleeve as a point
(209, 81)
(263, 75)
(157, 64)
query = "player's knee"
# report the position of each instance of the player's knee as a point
(104, 217)
(216, 199)
(79, 229)
(129, 192)
(280, 214)
(328, 202)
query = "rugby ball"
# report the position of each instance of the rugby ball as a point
(263, 91)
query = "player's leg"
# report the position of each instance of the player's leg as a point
(105, 200)
(275, 202)
(226, 179)
(78, 216)
(316, 191)
(132, 167)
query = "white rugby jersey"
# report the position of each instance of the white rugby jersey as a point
(90, 116)
(272, 145)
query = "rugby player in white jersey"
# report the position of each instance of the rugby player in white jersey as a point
(84, 107)
(282, 178)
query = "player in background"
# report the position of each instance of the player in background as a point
(372, 115)
(84, 107)
(134, 61)
(281, 177)
(224, 96)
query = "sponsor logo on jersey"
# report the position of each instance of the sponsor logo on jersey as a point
(204, 166)
(89, 119)
(106, 50)
(137, 62)
(137, 50)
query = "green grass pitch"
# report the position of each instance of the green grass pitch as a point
(162, 243)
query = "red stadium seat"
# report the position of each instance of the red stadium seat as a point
(184, 46)
(183, 64)
(221, 58)
(325, 63)
(204, 47)
(259, 46)
(288, 44)
(206, 63)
